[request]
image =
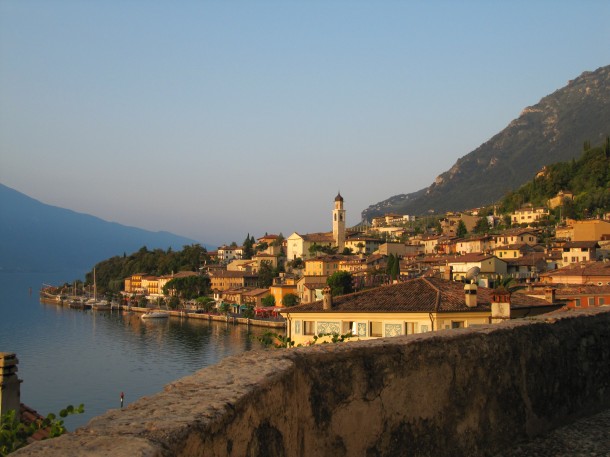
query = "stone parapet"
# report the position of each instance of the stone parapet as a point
(463, 392)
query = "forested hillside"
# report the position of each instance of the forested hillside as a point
(110, 274)
(588, 178)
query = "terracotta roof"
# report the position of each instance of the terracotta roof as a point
(324, 237)
(471, 257)
(582, 290)
(330, 258)
(416, 295)
(582, 269)
(30, 416)
(516, 247)
(231, 274)
(516, 232)
(255, 292)
(581, 245)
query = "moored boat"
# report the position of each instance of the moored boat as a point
(155, 315)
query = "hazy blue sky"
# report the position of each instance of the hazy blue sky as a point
(212, 119)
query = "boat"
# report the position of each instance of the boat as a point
(101, 305)
(78, 304)
(155, 315)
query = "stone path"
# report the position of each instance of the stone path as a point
(588, 437)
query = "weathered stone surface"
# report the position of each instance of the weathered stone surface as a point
(458, 392)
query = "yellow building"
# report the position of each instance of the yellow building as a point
(528, 214)
(591, 230)
(514, 251)
(279, 291)
(324, 265)
(415, 306)
(559, 199)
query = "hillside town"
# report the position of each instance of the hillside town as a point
(461, 270)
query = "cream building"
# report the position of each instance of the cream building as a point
(415, 306)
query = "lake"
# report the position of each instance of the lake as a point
(73, 356)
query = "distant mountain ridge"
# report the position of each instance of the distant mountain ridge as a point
(35, 237)
(551, 131)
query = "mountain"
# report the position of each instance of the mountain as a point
(36, 237)
(551, 131)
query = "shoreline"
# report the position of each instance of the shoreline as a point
(182, 314)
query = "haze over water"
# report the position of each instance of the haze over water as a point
(71, 356)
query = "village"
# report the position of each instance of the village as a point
(401, 282)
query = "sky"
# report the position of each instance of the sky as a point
(217, 119)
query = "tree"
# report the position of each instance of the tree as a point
(248, 248)
(393, 267)
(268, 301)
(314, 249)
(290, 300)
(461, 229)
(188, 287)
(174, 302)
(248, 312)
(481, 225)
(340, 283)
(266, 273)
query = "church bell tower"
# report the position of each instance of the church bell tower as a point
(339, 223)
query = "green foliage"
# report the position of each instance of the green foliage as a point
(461, 230)
(290, 300)
(340, 283)
(296, 263)
(393, 267)
(278, 341)
(262, 246)
(188, 287)
(588, 178)
(268, 301)
(111, 273)
(224, 308)
(206, 303)
(266, 273)
(248, 247)
(248, 312)
(173, 302)
(14, 434)
(481, 225)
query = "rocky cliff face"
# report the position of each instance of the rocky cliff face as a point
(551, 131)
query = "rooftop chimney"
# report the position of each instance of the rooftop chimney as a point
(470, 295)
(549, 294)
(9, 384)
(327, 299)
(448, 273)
(500, 306)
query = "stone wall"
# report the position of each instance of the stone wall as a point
(463, 392)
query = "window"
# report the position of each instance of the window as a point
(457, 324)
(577, 302)
(591, 301)
(424, 328)
(349, 326)
(600, 301)
(376, 329)
(309, 328)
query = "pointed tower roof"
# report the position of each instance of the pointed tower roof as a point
(339, 198)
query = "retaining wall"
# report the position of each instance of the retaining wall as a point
(464, 392)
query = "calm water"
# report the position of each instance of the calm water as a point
(72, 356)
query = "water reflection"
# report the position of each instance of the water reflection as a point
(83, 356)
